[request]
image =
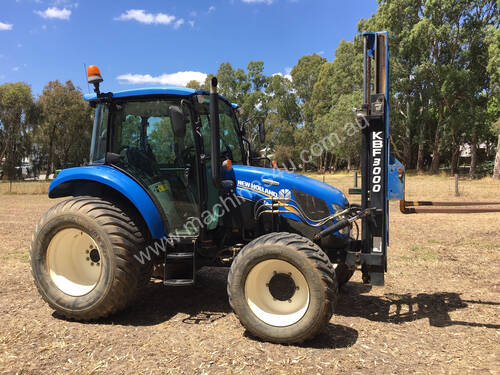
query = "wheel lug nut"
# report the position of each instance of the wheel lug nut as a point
(87, 251)
(91, 263)
(88, 258)
(289, 301)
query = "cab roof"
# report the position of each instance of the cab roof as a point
(166, 90)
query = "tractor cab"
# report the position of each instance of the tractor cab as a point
(160, 138)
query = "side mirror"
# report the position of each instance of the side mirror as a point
(262, 133)
(178, 121)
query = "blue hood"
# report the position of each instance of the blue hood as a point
(256, 183)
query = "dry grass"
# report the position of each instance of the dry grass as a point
(439, 311)
(24, 187)
(428, 187)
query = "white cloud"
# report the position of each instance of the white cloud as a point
(15, 69)
(58, 13)
(174, 79)
(141, 16)
(211, 9)
(268, 2)
(287, 76)
(191, 23)
(178, 23)
(5, 26)
(321, 53)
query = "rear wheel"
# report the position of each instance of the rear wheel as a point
(82, 258)
(282, 287)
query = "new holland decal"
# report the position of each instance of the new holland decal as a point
(257, 188)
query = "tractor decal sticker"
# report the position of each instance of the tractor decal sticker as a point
(257, 188)
(377, 146)
(285, 194)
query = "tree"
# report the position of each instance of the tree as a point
(193, 84)
(440, 88)
(304, 77)
(65, 125)
(16, 115)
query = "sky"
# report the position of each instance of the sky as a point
(165, 42)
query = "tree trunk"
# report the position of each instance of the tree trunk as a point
(325, 164)
(349, 162)
(473, 157)
(454, 160)
(331, 162)
(420, 157)
(435, 153)
(437, 140)
(496, 169)
(49, 158)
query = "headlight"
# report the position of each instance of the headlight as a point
(337, 208)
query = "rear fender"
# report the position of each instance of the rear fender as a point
(72, 181)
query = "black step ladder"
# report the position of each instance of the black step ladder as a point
(184, 253)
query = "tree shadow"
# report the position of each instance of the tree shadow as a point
(402, 308)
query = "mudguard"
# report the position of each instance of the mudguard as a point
(118, 181)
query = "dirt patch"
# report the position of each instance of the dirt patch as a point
(439, 311)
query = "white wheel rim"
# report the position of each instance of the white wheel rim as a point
(266, 307)
(74, 262)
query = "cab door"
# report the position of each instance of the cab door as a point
(163, 163)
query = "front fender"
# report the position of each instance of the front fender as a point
(116, 180)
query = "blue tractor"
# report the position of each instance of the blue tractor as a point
(172, 186)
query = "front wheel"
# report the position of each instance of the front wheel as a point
(282, 287)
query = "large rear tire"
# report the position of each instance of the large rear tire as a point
(282, 287)
(82, 257)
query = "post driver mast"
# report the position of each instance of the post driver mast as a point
(383, 177)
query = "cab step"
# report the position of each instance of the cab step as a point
(180, 256)
(185, 258)
(178, 282)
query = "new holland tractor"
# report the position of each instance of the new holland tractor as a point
(172, 186)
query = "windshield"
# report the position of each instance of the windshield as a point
(230, 140)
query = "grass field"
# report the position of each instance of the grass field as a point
(439, 311)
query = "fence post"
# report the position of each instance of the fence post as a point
(457, 193)
(10, 186)
(355, 179)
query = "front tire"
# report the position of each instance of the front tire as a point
(82, 258)
(282, 287)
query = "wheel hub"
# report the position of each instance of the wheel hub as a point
(281, 286)
(94, 255)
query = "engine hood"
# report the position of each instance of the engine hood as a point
(256, 183)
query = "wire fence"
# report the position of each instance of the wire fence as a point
(24, 187)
